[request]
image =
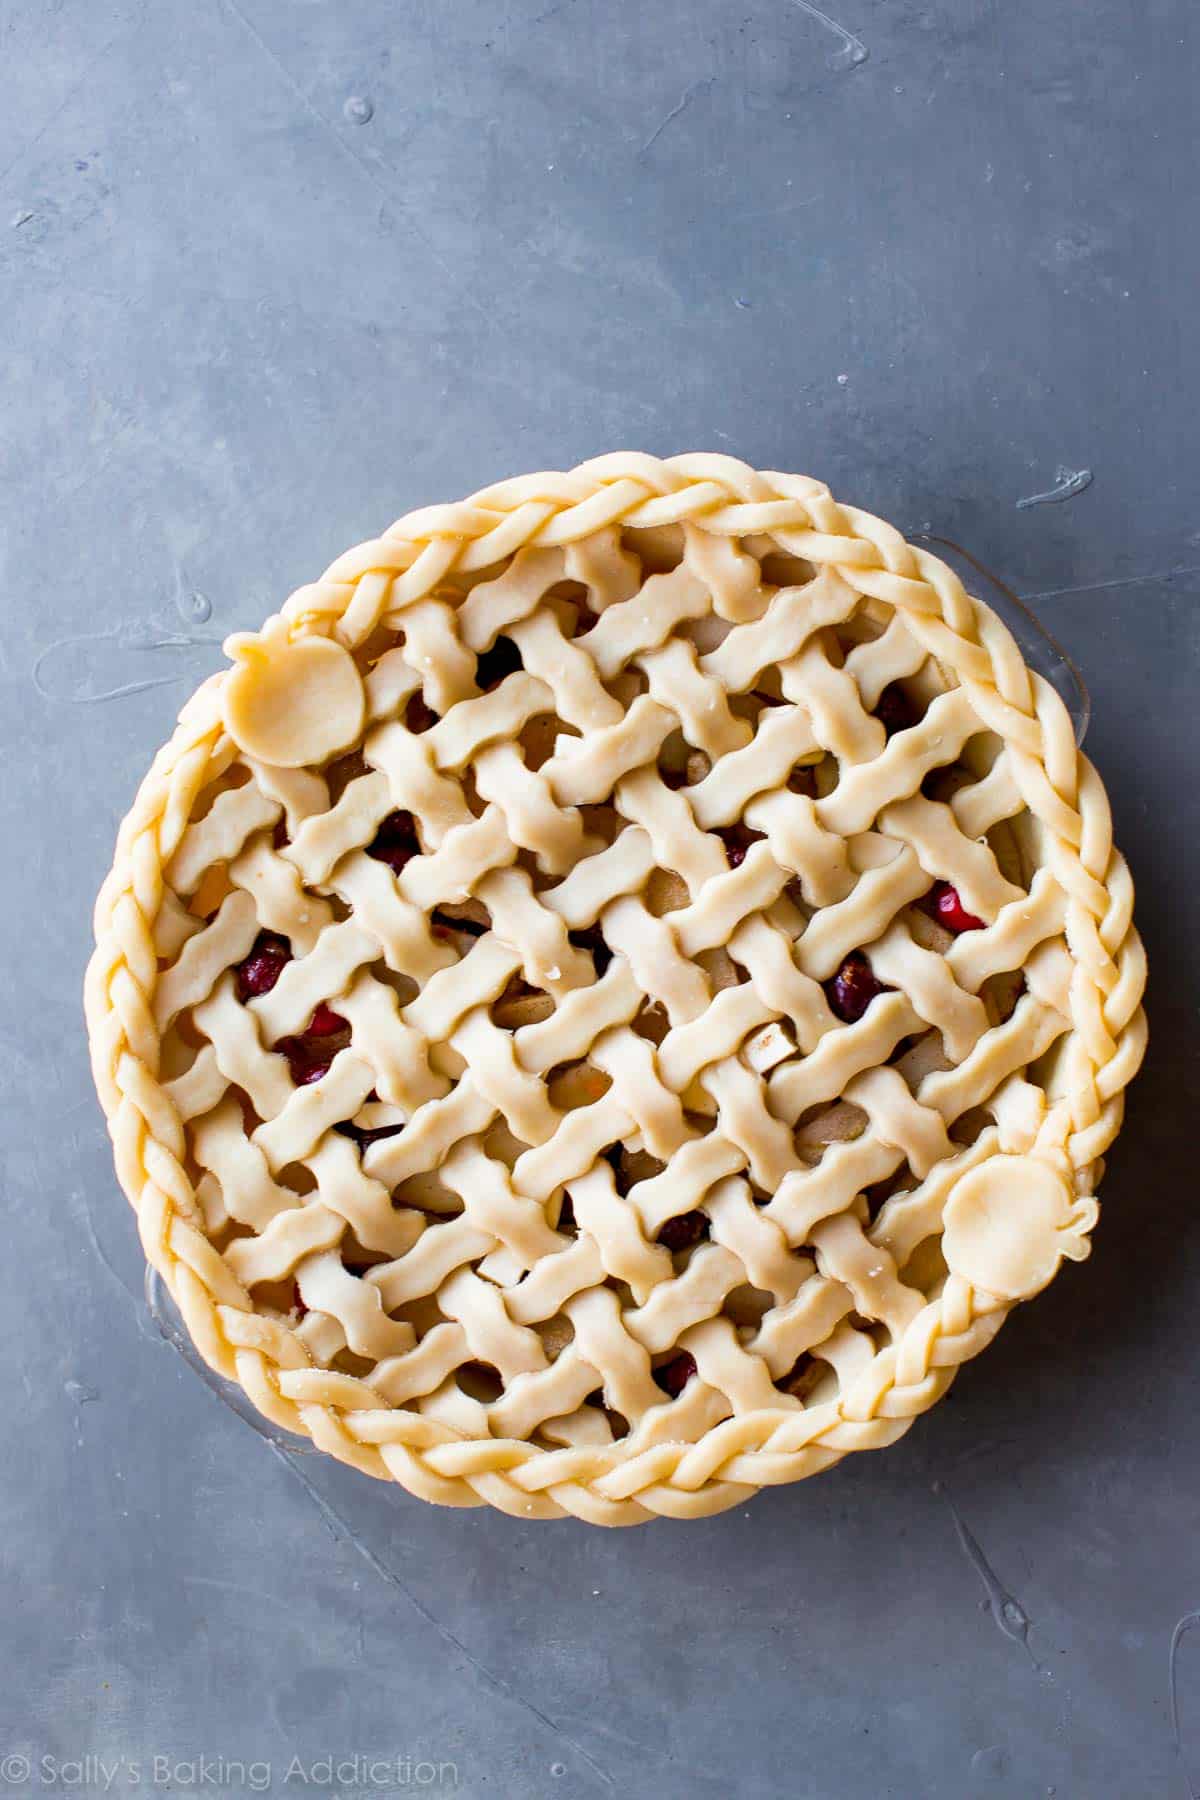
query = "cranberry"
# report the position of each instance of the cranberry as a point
(394, 855)
(893, 709)
(949, 910)
(326, 1023)
(684, 1230)
(674, 1376)
(264, 965)
(309, 1055)
(737, 840)
(305, 1064)
(395, 843)
(853, 988)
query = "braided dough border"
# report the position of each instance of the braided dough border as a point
(605, 1485)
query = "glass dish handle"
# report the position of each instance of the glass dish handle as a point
(165, 1313)
(1044, 654)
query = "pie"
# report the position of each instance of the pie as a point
(615, 993)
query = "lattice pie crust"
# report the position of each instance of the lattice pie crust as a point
(615, 994)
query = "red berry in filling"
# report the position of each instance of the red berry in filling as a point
(264, 965)
(893, 709)
(853, 988)
(737, 840)
(306, 1062)
(304, 1075)
(326, 1023)
(686, 1229)
(949, 910)
(308, 1057)
(396, 842)
(674, 1376)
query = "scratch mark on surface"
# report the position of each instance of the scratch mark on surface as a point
(1067, 483)
(622, 1737)
(985, 1447)
(1004, 1607)
(360, 163)
(780, 212)
(697, 1779)
(852, 52)
(233, 1587)
(340, 1528)
(81, 1396)
(1188, 1623)
(22, 218)
(87, 77)
(680, 106)
(1122, 581)
(93, 471)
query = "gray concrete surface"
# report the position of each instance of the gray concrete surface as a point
(932, 254)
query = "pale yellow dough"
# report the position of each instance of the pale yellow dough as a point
(1008, 1224)
(292, 701)
(469, 997)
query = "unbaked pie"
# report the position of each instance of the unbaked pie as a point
(615, 993)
